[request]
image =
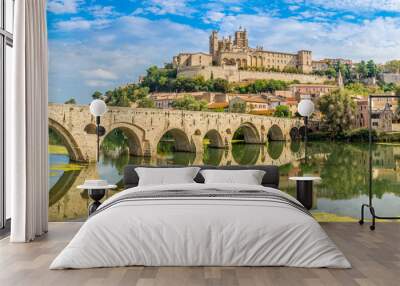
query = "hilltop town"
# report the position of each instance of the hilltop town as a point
(234, 77)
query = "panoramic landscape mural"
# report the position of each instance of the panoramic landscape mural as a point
(218, 83)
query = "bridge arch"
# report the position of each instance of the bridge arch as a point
(275, 133)
(275, 149)
(246, 154)
(215, 138)
(250, 133)
(74, 151)
(134, 134)
(294, 133)
(182, 143)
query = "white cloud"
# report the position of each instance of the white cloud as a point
(315, 15)
(358, 5)
(97, 83)
(102, 11)
(99, 73)
(213, 16)
(174, 7)
(293, 7)
(63, 6)
(105, 39)
(78, 23)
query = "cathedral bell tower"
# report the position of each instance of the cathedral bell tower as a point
(214, 45)
(241, 41)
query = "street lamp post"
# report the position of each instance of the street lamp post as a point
(98, 108)
(305, 109)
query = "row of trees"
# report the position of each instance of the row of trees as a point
(350, 74)
(262, 85)
(165, 80)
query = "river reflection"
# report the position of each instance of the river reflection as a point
(343, 168)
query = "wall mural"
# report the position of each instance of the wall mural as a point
(218, 83)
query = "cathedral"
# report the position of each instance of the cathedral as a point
(236, 52)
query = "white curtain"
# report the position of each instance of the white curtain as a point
(26, 120)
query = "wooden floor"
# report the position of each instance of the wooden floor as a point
(375, 257)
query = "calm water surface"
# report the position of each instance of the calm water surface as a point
(343, 168)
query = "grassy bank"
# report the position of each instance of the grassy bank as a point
(66, 167)
(57, 149)
(355, 135)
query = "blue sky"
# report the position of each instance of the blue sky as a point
(98, 45)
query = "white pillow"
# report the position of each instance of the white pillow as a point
(248, 177)
(166, 176)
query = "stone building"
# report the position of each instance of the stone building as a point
(236, 52)
(248, 103)
(361, 116)
(382, 114)
(313, 91)
(381, 119)
(391, 78)
(192, 59)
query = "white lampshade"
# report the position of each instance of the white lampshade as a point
(98, 107)
(305, 107)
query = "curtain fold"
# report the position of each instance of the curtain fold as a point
(27, 126)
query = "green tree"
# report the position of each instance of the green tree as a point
(188, 102)
(97, 95)
(146, 102)
(218, 85)
(159, 79)
(372, 69)
(338, 109)
(362, 69)
(392, 66)
(70, 101)
(282, 111)
(140, 93)
(331, 72)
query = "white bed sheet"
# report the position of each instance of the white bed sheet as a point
(200, 232)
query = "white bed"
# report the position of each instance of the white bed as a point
(200, 231)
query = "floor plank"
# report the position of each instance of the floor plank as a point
(375, 257)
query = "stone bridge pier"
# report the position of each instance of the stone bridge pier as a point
(146, 127)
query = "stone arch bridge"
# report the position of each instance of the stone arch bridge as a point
(145, 128)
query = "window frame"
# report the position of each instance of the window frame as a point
(6, 39)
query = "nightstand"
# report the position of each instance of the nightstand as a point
(304, 190)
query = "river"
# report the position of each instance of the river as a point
(343, 168)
